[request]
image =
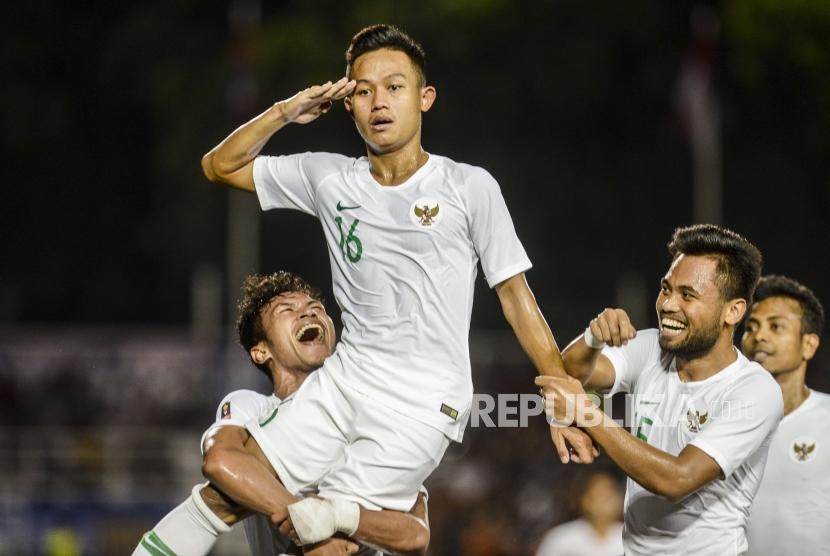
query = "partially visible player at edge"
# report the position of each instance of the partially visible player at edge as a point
(790, 512)
(284, 327)
(405, 230)
(704, 415)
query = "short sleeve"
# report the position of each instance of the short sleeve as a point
(292, 181)
(746, 416)
(494, 237)
(239, 407)
(630, 360)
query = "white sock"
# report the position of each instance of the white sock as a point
(190, 529)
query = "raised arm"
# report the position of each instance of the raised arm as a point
(534, 335)
(521, 311)
(231, 161)
(583, 357)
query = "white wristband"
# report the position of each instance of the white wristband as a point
(591, 340)
(316, 519)
(346, 515)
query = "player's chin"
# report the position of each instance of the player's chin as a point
(314, 356)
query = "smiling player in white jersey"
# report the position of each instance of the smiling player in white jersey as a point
(790, 512)
(405, 230)
(703, 414)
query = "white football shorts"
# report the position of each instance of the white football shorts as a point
(348, 446)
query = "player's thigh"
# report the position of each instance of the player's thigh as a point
(388, 460)
(304, 437)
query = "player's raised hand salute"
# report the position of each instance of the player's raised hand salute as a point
(232, 161)
(309, 104)
(611, 327)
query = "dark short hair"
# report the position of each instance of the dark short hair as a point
(812, 312)
(257, 292)
(380, 36)
(738, 261)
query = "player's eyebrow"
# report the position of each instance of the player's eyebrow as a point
(689, 289)
(284, 303)
(781, 317)
(384, 78)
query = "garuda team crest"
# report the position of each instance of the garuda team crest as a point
(425, 212)
(695, 420)
(803, 450)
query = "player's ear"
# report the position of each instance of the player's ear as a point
(809, 345)
(259, 353)
(428, 94)
(735, 311)
(347, 104)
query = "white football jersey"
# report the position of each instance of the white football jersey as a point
(236, 409)
(578, 538)
(731, 416)
(404, 262)
(791, 513)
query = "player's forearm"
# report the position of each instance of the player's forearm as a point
(243, 145)
(227, 509)
(395, 532)
(654, 469)
(529, 325)
(241, 476)
(580, 360)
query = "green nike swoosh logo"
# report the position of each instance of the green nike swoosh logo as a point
(340, 206)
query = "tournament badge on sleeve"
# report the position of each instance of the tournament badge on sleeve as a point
(226, 410)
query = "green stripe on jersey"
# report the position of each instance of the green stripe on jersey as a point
(271, 418)
(155, 546)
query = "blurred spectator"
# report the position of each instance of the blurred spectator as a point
(598, 531)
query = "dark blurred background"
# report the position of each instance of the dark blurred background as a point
(607, 125)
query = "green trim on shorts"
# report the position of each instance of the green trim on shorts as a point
(271, 418)
(157, 548)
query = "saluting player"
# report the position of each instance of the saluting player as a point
(405, 231)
